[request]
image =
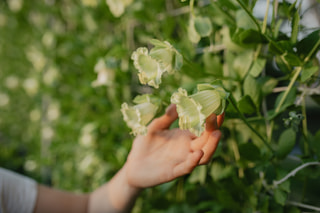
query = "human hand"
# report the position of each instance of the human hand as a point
(163, 155)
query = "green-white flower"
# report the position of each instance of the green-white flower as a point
(138, 116)
(169, 58)
(194, 109)
(105, 75)
(149, 69)
(163, 57)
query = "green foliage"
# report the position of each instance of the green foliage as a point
(66, 69)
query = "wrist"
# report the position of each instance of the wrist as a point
(121, 193)
(116, 196)
(127, 185)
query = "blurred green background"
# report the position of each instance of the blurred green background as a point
(65, 70)
(58, 124)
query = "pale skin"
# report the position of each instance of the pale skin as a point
(159, 157)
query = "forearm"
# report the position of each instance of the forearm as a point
(52, 201)
(115, 196)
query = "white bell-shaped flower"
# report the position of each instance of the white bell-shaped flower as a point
(149, 69)
(163, 57)
(194, 109)
(138, 116)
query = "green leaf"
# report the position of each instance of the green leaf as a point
(293, 209)
(252, 89)
(275, 48)
(219, 171)
(203, 26)
(292, 59)
(285, 186)
(286, 143)
(158, 44)
(257, 67)
(193, 35)
(247, 37)
(306, 44)
(244, 20)
(280, 47)
(289, 101)
(280, 196)
(198, 175)
(287, 9)
(308, 72)
(268, 84)
(222, 17)
(213, 64)
(227, 41)
(249, 151)
(246, 105)
(315, 143)
(242, 63)
(277, 27)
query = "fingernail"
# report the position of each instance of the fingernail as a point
(220, 120)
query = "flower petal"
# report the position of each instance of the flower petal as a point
(139, 115)
(194, 109)
(149, 69)
(168, 57)
(189, 111)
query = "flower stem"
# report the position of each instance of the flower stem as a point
(191, 4)
(265, 20)
(274, 13)
(296, 71)
(304, 126)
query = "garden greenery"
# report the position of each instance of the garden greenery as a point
(77, 77)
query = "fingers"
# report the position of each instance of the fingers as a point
(209, 140)
(211, 125)
(188, 165)
(198, 157)
(220, 119)
(165, 121)
(210, 147)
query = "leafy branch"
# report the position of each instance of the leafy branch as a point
(305, 206)
(244, 119)
(294, 172)
(243, 6)
(297, 72)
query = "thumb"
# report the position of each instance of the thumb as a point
(165, 121)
